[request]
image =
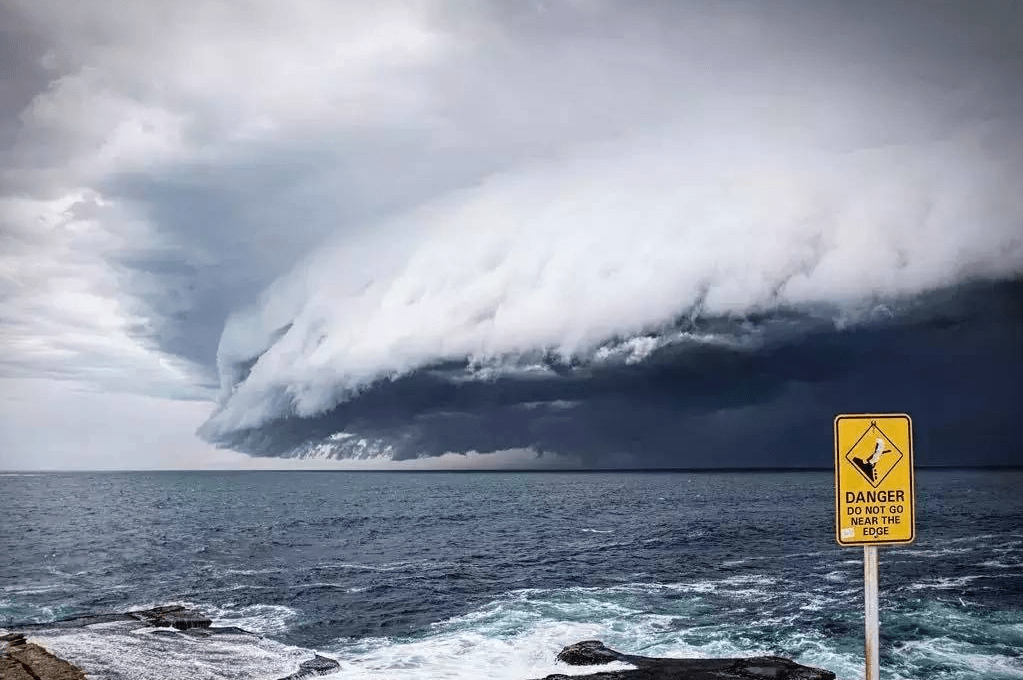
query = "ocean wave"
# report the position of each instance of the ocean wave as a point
(265, 619)
(997, 564)
(954, 582)
(136, 654)
(345, 587)
(356, 566)
(932, 552)
(534, 623)
(249, 572)
(837, 576)
(458, 654)
(956, 657)
(518, 635)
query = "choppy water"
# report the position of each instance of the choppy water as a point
(451, 575)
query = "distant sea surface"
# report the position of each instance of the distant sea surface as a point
(470, 575)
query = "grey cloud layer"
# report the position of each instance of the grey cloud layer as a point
(363, 191)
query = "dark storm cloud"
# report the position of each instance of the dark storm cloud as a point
(954, 362)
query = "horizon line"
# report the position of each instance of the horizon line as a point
(491, 470)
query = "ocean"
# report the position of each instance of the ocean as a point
(488, 574)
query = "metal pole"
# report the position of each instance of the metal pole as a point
(870, 647)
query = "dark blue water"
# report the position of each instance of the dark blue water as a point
(451, 574)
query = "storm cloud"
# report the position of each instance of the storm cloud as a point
(639, 234)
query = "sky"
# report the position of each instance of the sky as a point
(577, 233)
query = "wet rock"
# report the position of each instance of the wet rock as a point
(588, 653)
(174, 616)
(76, 621)
(32, 662)
(170, 616)
(226, 630)
(13, 639)
(12, 670)
(594, 652)
(318, 665)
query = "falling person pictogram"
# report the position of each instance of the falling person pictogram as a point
(869, 466)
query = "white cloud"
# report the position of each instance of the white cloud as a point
(50, 425)
(64, 312)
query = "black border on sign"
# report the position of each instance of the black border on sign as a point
(912, 480)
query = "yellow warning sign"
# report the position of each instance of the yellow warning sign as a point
(874, 502)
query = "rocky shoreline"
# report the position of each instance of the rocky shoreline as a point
(23, 659)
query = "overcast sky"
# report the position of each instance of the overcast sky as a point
(417, 229)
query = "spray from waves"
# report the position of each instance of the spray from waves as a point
(264, 619)
(517, 636)
(119, 651)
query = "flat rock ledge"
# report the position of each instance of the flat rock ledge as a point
(24, 660)
(595, 653)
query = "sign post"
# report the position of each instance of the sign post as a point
(871, 653)
(874, 500)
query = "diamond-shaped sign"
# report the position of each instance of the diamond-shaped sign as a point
(874, 455)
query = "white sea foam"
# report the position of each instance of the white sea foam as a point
(387, 566)
(518, 635)
(139, 654)
(454, 654)
(31, 589)
(734, 563)
(964, 657)
(983, 538)
(327, 585)
(265, 619)
(250, 572)
(934, 552)
(817, 603)
(997, 564)
(837, 576)
(950, 582)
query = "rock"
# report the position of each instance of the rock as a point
(32, 662)
(13, 639)
(228, 630)
(174, 616)
(169, 616)
(76, 621)
(594, 652)
(318, 665)
(588, 653)
(12, 670)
